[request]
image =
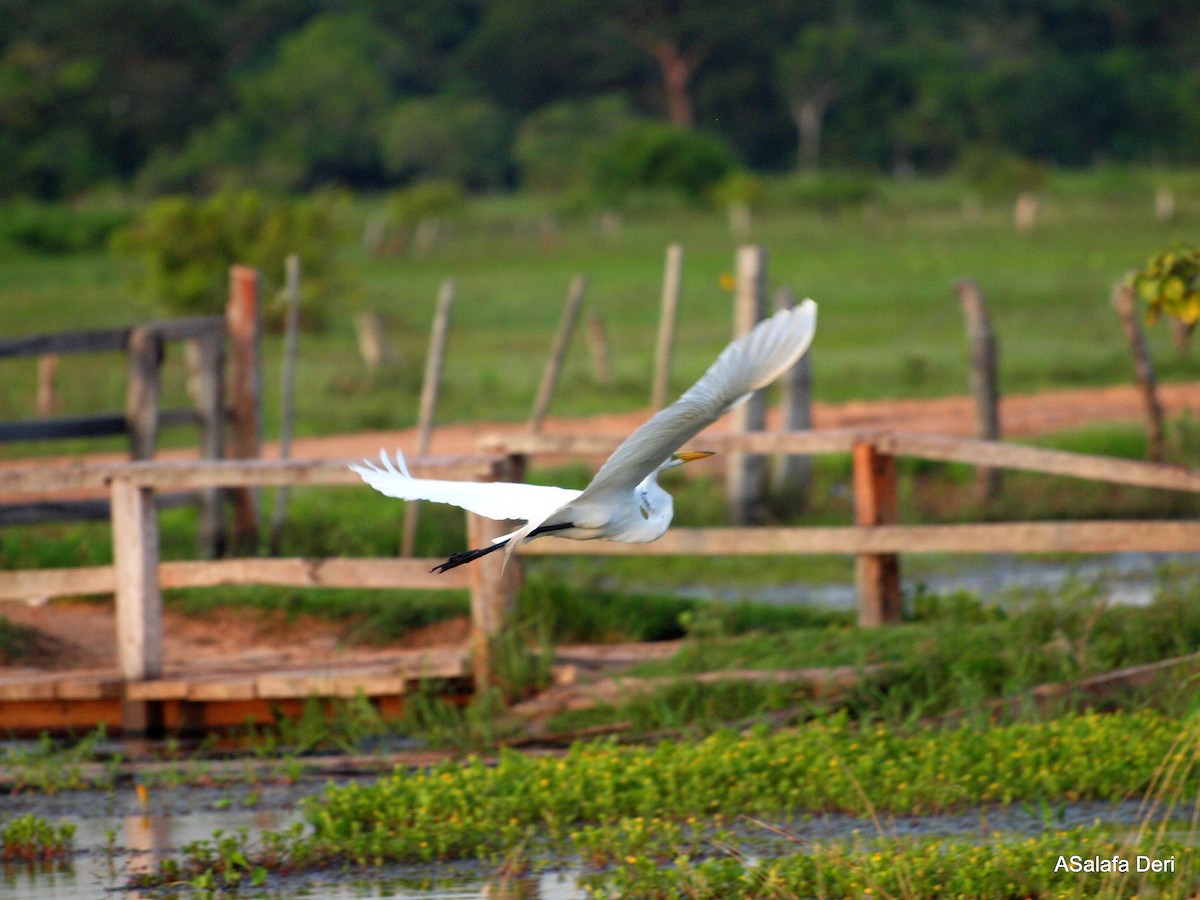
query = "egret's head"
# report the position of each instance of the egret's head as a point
(683, 456)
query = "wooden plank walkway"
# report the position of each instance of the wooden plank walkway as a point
(217, 693)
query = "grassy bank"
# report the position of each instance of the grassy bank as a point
(890, 326)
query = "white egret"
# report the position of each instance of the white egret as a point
(624, 501)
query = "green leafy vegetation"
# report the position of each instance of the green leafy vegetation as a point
(203, 96)
(31, 839)
(635, 803)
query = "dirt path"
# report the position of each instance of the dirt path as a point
(81, 634)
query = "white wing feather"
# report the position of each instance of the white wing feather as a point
(493, 499)
(752, 361)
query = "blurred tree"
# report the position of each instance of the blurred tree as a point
(818, 65)
(314, 111)
(440, 137)
(555, 145)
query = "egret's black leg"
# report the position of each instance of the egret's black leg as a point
(466, 556)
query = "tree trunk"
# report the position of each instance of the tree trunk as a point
(808, 115)
(677, 70)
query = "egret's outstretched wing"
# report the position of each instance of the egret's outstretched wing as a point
(752, 361)
(493, 499)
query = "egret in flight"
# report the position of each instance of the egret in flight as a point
(624, 501)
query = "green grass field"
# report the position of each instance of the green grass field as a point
(889, 327)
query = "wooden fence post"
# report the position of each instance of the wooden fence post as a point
(745, 478)
(429, 398)
(1123, 302)
(793, 472)
(493, 587)
(138, 598)
(672, 279)
(291, 348)
(206, 384)
(243, 322)
(144, 351)
(561, 342)
(983, 378)
(877, 574)
(47, 374)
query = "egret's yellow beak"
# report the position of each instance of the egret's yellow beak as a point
(688, 455)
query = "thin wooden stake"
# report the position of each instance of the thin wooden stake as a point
(291, 345)
(672, 280)
(47, 374)
(745, 479)
(877, 574)
(793, 472)
(1123, 302)
(429, 398)
(561, 342)
(983, 377)
(141, 395)
(206, 385)
(243, 323)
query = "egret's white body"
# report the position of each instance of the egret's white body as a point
(624, 501)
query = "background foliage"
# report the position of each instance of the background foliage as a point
(200, 94)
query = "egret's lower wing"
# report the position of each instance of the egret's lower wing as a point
(492, 499)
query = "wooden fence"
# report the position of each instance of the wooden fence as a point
(205, 339)
(137, 575)
(875, 540)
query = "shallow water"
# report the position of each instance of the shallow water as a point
(1131, 579)
(116, 837)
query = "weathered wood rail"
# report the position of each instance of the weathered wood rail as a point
(205, 340)
(875, 539)
(137, 575)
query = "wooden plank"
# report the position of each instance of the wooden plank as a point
(36, 716)
(206, 386)
(142, 389)
(672, 279)
(1002, 537)
(104, 340)
(26, 689)
(195, 474)
(1036, 459)
(493, 595)
(23, 584)
(135, 565)
(746, 473)
(288, 390)
(295, 572)
(78, 510)
(984, 378)
(61, 428)
(830, 440)
(243, 322)
(877, 575)
(82, 687)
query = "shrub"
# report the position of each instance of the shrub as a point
(652, 156)
(186, 246)
(53, 228)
